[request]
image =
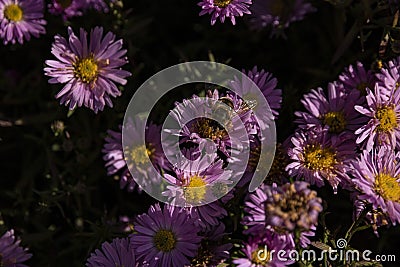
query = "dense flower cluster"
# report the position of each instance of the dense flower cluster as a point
(292, 206)
(192, 235)
(350, 138)
(287, 211)
(358, 112)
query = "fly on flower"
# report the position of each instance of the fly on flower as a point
(232, 105)
(228, 113)
(245, 105)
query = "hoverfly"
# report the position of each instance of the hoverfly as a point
(245, 105)
(227, 114)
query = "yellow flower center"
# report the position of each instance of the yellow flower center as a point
(208, 128)
(13, 12)
(335, 121)
(164, 240)
(319, 159)
(397, 85)
(387, 119)
(387, 187)
(141, 154)
(222, 3)
(260, 256)
(86, 69)
(379, 64)
(196, 190)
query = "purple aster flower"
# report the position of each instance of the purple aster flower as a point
(11, 253)
(21, 19)
(292, 207)
(191, 180)
(389, 77)
(278, 14)
(196, 123)
(336, 112)
(90, 71)
(117, 253)
(257, 251)
(258, 220)
(194, 182)
(266, 82)
(114, 155)
(317, 157)
(67, 8)
(214, 248)
(202, 127)
(376, 178)
(383, 127)
(355, 80)
(224, 9)
(165, 237)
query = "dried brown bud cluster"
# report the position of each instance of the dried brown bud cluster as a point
(292, 206)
